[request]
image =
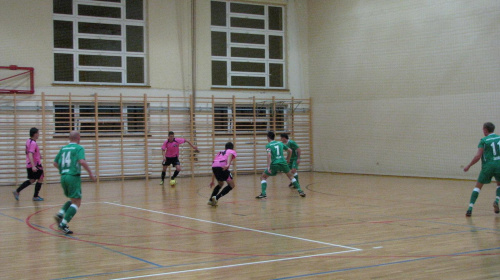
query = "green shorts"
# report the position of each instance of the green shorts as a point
(293, 164)
(72, 186)
(275, 168)
(489, 171)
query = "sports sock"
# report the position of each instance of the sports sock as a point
(65, 207)
(175, 175)
(263, 185)
(296, 184)
(473, 197)
(70, 212)
(163, 175)
(296, 176)
(23, 186)
(216, 190)
(224, 192)
(498, 194)
(38, 187)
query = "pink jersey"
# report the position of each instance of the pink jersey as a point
(172, 147)
(220, 159)
(32, 147)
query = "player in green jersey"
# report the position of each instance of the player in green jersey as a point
(489, 153)
(69, 161)
(276, 162)
(294, 162)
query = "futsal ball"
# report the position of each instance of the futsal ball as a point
(172, 182)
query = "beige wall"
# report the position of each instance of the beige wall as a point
(402, 87)
(27, 40)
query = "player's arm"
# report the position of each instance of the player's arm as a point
(229, 160)
(213, 180)
(192, 146)
(288, 153)
(83, 163)
(32, 160)
(475, 159)
(269, 160)
(298, 155)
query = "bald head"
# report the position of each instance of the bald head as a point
(74, 136)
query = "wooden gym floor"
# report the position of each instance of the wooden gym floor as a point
(348, 227)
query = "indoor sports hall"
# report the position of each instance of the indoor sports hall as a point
(386, 100)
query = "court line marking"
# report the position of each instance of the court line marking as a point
(238, 227)
(349, 249)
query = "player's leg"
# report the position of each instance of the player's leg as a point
(497, 198)
(38, 185)
(473, 198)
(294, 181)
(178, 169)
(164, 170)
(216, 171)
(25, 184)
(263, 183)
(228, 188)
(73, 190)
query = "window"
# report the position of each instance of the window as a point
(247, 119)
(99, 42)
(110, 119)
(247, 45)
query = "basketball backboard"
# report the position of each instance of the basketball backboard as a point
(15, 79)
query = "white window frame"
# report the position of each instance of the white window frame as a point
(123, 54)
(233, 118)
(228, 59)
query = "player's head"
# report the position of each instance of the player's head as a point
(171, 135)
(270, 135)
(74, 137)
(284, 137)
(488, 128)
(33, 131)
(229, 145)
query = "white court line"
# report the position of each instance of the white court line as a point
(350, 249)
(238, 227)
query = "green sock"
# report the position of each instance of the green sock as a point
(65, 207)
(296, 177)
(70, 213)
(263, 185)
(296, 184)
(498, 194)
(473, 197)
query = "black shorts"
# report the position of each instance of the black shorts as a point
(221, 175)
(35, 175)
(171, 160)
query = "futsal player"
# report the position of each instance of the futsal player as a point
(170, 152)
(220, 170)
(33, 166)
(276, 162)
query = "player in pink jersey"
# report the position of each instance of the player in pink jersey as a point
(220, 169)
(33, 166)
(170, 152)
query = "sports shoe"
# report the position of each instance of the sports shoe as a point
(468, 213)
(16, 195)
(58, 217)
(161, 183)
(261, 196)
(65, 229)
(37, 198)
(291, 186)
(495, 207)
(210, 202)
(301, 193)
(214, 200)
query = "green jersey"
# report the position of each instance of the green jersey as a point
(293, 146)
(276, 148)
(68, 159)
(491, 149)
